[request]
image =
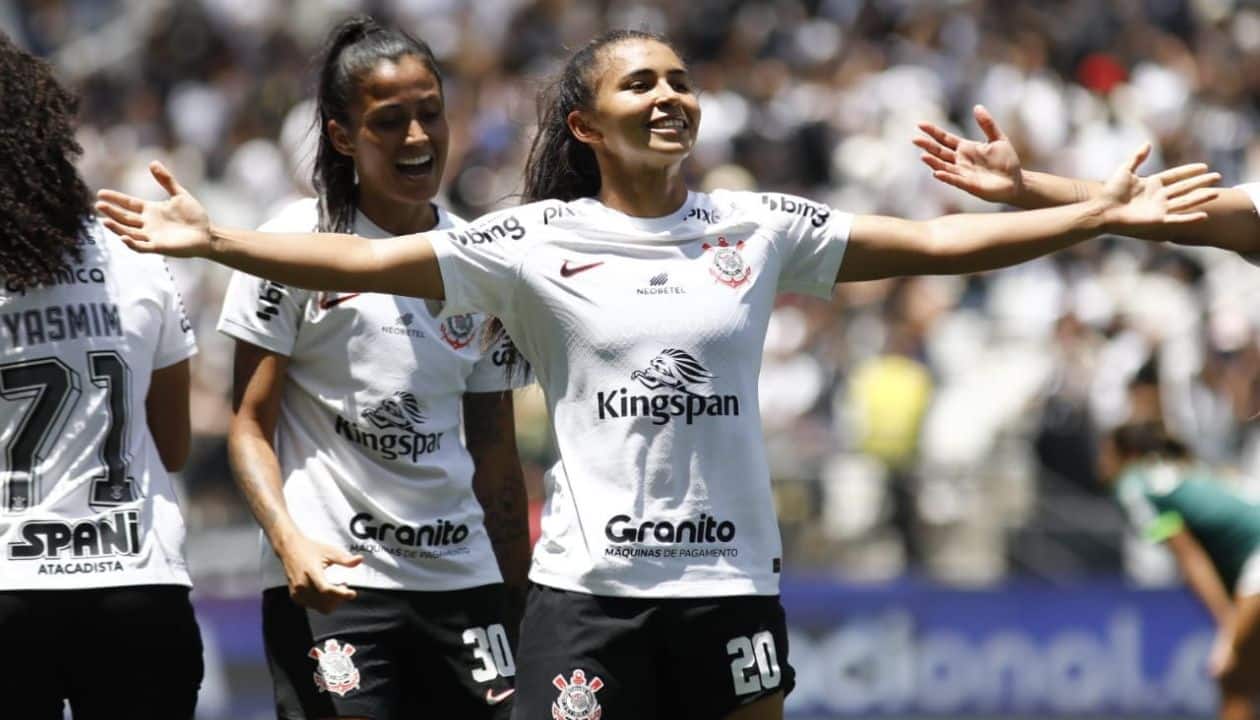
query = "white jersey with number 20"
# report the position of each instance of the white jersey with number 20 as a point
(646, 336)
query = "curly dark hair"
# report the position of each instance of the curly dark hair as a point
(44, 204)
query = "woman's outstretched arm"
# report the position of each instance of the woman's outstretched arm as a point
(179, 226)
(991, 170)
(881, 247)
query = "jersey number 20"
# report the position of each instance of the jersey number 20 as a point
(756, 664)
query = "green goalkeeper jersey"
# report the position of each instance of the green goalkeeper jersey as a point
(1161, 498)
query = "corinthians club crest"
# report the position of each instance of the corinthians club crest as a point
(577, 697)
(729, 267)
(336, 672)
(458, 331)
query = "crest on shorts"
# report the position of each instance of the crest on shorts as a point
(457, 331)
(335, 672)
(577, 697)
(729, 267)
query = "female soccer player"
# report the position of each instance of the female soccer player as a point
(383, 595)
(1214, 536)
(643, 307)
(94, 348)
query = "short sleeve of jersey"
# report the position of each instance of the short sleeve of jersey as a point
(490, 373)
(1144, 510)
(480, 262)
(812, 238)
(262, 312)
(176, 341)
(175, 338)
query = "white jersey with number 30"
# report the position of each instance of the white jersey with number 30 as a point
(646, 336)
(84, 498)
(369, 430)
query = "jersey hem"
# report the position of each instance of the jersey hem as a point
(75, 582)
(731, 587)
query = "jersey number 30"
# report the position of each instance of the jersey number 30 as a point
(491, 649)
(52, 390)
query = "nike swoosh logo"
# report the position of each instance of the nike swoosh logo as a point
(327, 303)
(494, 699)
(566, 271)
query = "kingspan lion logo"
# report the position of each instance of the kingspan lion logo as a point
(673, 368)
(402, 411)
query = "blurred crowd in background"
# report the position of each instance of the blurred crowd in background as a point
(941, 427)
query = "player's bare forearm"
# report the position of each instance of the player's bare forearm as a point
(404, 265)
(1043, 190)
(1197, 569)
(257, 472)
(1232, 222)
(499, 484)
(258, 379)
(882, 247)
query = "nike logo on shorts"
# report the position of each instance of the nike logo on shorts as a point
(493, 698)
(328, 303)
(566, 271)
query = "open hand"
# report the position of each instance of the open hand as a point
(989, 170)
(305, 562)
(1167, 198)
(178, 227)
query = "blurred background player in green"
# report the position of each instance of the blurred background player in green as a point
(1213, 533)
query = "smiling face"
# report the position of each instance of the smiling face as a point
(397, 136)
(644, 110)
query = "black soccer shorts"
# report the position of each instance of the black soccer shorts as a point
(391, 654)
(588, 657)
(126, 652)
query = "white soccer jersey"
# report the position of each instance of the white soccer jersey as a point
(646, 336)
(85, 501)
(369, 430)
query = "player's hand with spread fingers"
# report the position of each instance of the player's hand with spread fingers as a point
(1134, 202)
(992, 170)
(989, 170)
(178, 226)
(305, 564)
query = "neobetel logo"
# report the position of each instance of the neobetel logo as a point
(672, 369)
(401, 412)
(402, 326)
(118, 534)
(509, 227)
(659, 285)
(704, 529)
(442, 532)
(817, 214)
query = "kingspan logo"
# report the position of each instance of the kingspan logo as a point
(678, 373)
(399, 418)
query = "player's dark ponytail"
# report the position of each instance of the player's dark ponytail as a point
(560, 167)
(353, 48)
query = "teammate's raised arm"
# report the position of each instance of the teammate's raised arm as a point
(885, 247)
(180, 227)
(992, 171)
